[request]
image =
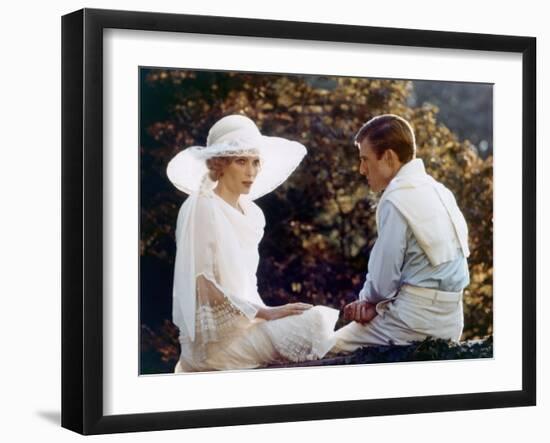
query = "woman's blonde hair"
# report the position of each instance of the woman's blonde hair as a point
(216, 166)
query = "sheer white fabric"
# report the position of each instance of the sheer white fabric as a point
(216, 299)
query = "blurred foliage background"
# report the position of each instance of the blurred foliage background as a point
(324, 212)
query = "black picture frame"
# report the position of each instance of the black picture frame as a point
(82, 218)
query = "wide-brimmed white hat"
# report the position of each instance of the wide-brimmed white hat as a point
(237, 135)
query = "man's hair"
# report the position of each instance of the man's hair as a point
(389, 131)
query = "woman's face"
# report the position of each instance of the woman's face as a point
(239, 175)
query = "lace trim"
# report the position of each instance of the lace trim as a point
(303, 340)
(231, 148)
(214, 321)
(216, 318)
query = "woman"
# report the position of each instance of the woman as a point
(223, 322)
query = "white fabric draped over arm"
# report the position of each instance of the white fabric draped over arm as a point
(202, 303)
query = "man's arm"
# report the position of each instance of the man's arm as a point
(387, 256)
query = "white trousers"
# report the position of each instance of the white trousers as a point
(412, 315)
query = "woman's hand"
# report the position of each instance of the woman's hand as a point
(275, 312)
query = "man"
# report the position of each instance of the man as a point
(417, 269)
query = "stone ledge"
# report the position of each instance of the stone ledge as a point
(427, 350)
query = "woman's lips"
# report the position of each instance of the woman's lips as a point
(247, 183)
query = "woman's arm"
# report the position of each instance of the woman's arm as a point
(208, 292)
(275, 312)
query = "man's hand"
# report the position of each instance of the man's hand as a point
(360, 311)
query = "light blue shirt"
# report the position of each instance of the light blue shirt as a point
(397, 259)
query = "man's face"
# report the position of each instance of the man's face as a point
(378, 172)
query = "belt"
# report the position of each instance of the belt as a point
(432, 294)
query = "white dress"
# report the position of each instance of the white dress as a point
(216, 299)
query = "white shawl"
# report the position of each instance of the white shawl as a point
(431, 212)
(216, 241)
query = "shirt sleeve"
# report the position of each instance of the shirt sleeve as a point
(387, 256)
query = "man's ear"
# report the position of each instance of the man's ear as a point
(391, 157)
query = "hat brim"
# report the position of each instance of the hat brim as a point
(280, 157)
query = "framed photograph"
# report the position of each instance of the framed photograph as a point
(224, 185)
